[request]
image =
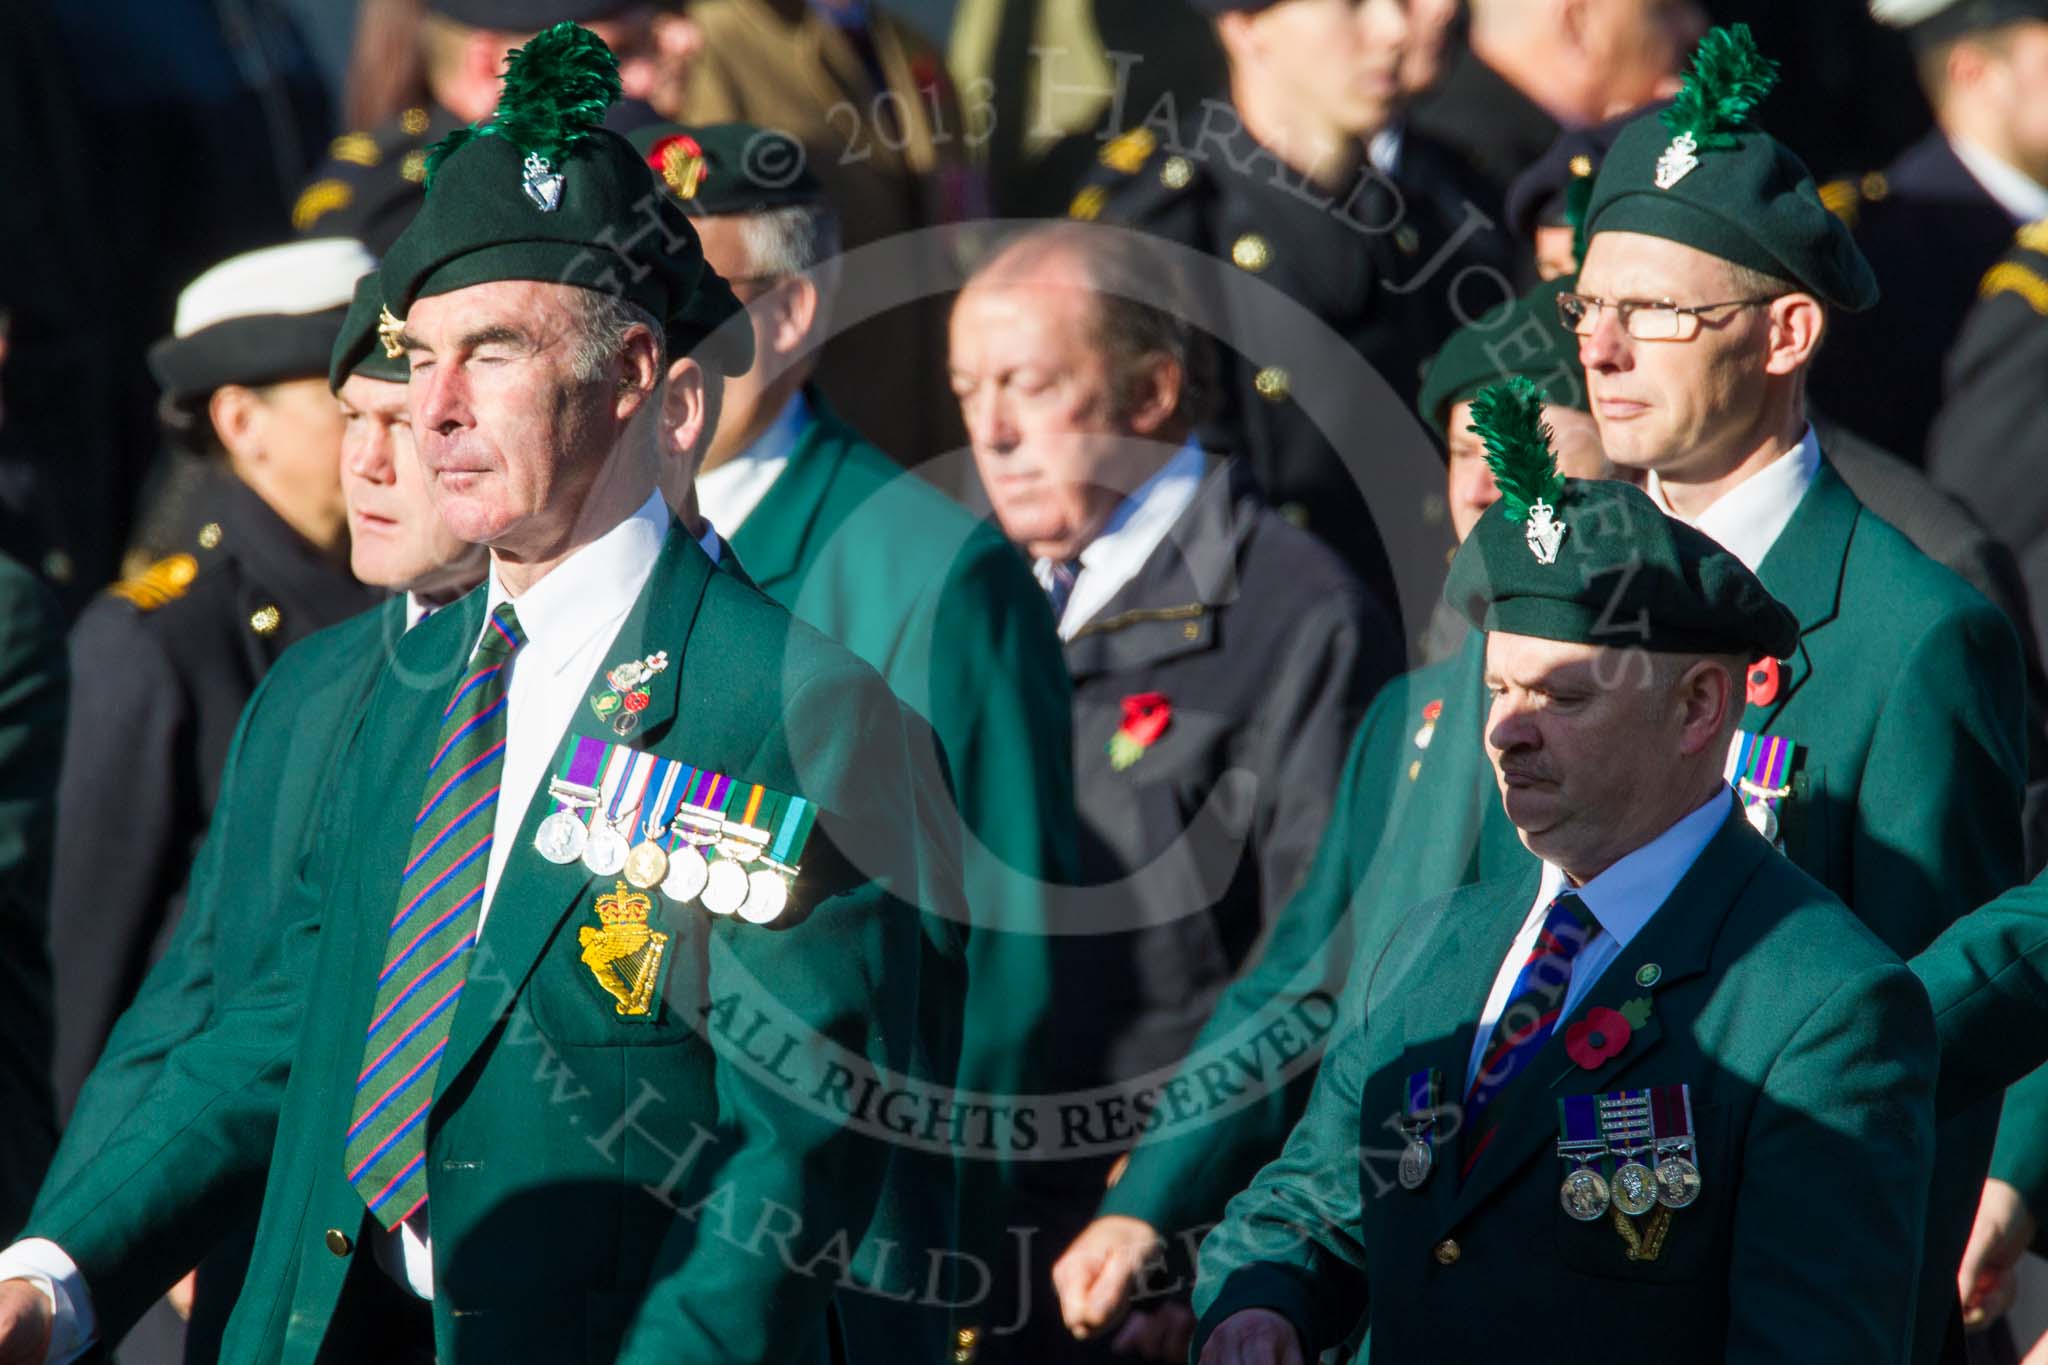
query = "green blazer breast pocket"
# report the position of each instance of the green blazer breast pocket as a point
(624, 969)
(1661, 1245)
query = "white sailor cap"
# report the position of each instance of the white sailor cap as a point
(260, 317)
(1928, 22)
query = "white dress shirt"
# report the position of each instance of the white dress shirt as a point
(1132, 533)
(2018, 193)
(728, 495)
(569, 618)
(1748, 519)
(1621, 900)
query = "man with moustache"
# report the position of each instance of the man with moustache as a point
(1306, 181)
(532, 401)
(1662, 991)
(1885, 754)
(286, 748)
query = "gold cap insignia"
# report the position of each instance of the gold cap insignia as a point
(679, 160)
(389, 328)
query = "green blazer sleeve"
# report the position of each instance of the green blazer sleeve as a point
(33, 685)
(841, 974)
(176, 999)
(1987, 976)
(2020, 1157)
(1290, 1243)
(1866, 1059)
(1178, 1178)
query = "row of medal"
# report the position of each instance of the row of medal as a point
(1759, 767)
(729, 846)
(1629, 1149)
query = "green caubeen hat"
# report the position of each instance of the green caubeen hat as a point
(542, 191)
(1519, 338)
(1700, 172)
(1593, 561)
(362, 348)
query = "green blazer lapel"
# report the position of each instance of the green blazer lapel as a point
(1679, 940)
(1804, 571)
(533, 894)
(774, 542)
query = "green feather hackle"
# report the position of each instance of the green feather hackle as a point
(557, 88)
(1729, 78)
(1509, 419)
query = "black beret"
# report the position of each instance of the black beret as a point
(1594, 561)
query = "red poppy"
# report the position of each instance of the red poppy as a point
(636, 701)
(1433, 712)
(1146, 716)
(1762, 688)
(1601, 1035)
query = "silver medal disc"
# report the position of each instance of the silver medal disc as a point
(1678, 1182)
(767, 895)
(686, 875)
(605, 853)
(1635, 1188)
(1584, 1195)
(725, 890)
(1416, 1161)
(561, 837)
(1764, 816)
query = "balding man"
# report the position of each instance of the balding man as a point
(1221, 659)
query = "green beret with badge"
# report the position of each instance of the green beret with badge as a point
(1702, 173)
(362, 348)
(1595, 561)
(1520, 338)
(543, 192)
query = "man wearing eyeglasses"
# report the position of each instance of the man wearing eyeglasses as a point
(1885, 756)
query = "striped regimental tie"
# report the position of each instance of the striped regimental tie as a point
(1529, 1018)
(426, 954)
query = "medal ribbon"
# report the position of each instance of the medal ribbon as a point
(797, 818)
(579, 767)
(1671, 1114)
(1625, 1120)
(1578, 1119)
(663, 783)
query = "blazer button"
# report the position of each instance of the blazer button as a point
(1447, 1252)
(338, 1242)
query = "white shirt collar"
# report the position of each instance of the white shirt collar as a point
(1626, 895)
(590, 591)
(1130, 536)
(416, 611)
(729, 494)
(2018, 193)
(1383, 150)
(1748, 519)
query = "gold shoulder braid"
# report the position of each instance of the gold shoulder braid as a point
(164, 581)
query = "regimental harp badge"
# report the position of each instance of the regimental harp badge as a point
(542, 183)
(1678, 161)
(390, 327)
(624, 951)
(1545, 533)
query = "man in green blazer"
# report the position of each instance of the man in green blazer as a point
(651, 1056)
(1886, 754)
(285, 749)
(934, 599)
(1663, 1088)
